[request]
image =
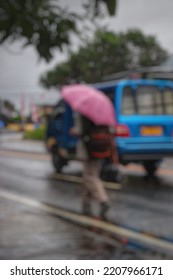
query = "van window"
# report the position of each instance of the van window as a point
(128, 101)
(168, 100)
(149, 100)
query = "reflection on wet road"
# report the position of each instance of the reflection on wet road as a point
(141, 204)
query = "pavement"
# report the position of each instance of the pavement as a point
(15, 142)
(28, 233)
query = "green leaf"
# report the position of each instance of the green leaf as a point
(111, 6)
(107, 53)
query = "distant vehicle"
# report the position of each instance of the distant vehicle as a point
(2, 124)
(144, 130)
(3, 120)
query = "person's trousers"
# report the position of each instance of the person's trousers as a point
(93, 186)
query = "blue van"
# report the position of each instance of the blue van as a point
(144, 130)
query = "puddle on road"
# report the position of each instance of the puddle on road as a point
(139, 182)
(95, 248)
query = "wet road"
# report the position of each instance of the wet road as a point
(28, 233)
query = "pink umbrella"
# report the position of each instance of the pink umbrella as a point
(91, 103)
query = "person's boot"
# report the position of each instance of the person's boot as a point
(104, 206)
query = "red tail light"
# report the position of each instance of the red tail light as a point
(122, 130)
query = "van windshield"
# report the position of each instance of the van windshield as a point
(147, 100)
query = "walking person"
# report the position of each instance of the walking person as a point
(94, 145)
(98, 143)
(96, 114)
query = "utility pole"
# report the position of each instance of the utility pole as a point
(22, 112)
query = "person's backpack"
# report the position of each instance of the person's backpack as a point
(98, 139)
(98, 142)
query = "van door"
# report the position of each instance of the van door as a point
(147, 113)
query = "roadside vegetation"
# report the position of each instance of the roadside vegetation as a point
(36, 134)
(105, 54)
(45, 24)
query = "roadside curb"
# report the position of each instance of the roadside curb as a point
(140, 239)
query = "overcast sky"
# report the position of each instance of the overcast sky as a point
(20, 71)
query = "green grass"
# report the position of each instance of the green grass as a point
(37, 134)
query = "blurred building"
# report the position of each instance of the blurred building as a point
(7, 111)
(44, 111)
(46, 105)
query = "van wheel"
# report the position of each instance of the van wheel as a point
(151, 166)
(58, 161)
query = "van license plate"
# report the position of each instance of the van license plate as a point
(151, 130)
